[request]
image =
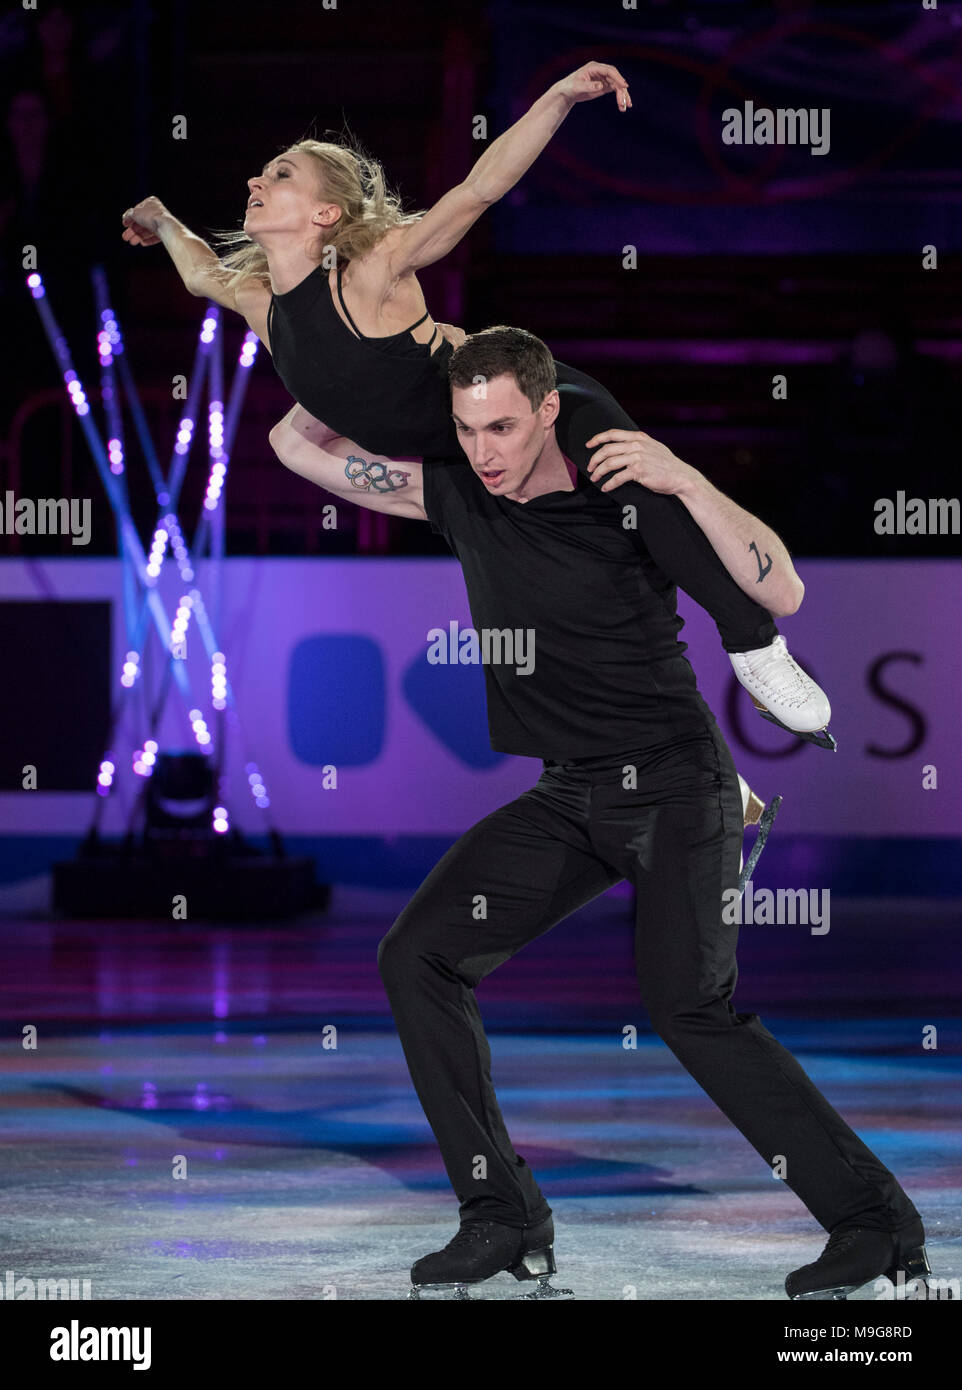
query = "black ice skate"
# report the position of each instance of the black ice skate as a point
(482, 1249)
(856, 1255)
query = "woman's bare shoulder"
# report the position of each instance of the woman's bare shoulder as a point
(252, 300)
(251, 294)
(374, 277)
(393, 240)
(376, 262)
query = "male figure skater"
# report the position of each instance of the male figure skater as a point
(638, 783)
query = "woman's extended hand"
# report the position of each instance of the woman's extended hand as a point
(456, 336)
(593, 80)
(142, 222)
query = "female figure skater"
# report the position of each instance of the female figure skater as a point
(325, 273)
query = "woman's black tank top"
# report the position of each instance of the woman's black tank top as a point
(389, 394)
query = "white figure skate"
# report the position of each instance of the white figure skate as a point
(783, 693)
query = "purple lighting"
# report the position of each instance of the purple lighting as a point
(155, 559)
(131, 669)
(179, 547)
(256, 783)
(218, 681)
(77, 398)
(181, 621)
(109, 342)
(214, 487)
(199, 726)
(109, 455)
(144, 758)
(216, 425)
(184, 435)
(109, 460)
(105, 777)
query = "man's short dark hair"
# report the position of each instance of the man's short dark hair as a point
(504, 351)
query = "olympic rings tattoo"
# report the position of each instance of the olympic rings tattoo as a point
(374, 476)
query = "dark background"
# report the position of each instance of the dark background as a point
(750, 261)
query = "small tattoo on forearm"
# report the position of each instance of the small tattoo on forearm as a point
(762, 569)
(374, 477)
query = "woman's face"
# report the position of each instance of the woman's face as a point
(285, 198)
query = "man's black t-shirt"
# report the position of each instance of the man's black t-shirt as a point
(608, 673)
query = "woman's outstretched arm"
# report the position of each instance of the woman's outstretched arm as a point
(500, 167)
(197, 264)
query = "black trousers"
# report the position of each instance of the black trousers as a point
(674, 540)
(676, 835)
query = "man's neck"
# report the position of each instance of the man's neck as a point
(551, 473)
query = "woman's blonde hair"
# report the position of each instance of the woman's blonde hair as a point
(348, 177)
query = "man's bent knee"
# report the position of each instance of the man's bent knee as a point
(397, 951)
(679, 1022)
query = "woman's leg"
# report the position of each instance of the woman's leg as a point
(675, 541)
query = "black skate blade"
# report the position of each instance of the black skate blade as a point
(925, 1286)
(544, 1289)
(460, 1290)
(764, 826)
(842, 1291)
(821, 739)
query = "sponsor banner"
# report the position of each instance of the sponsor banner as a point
(357, 728)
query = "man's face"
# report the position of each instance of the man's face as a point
(500, 432)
